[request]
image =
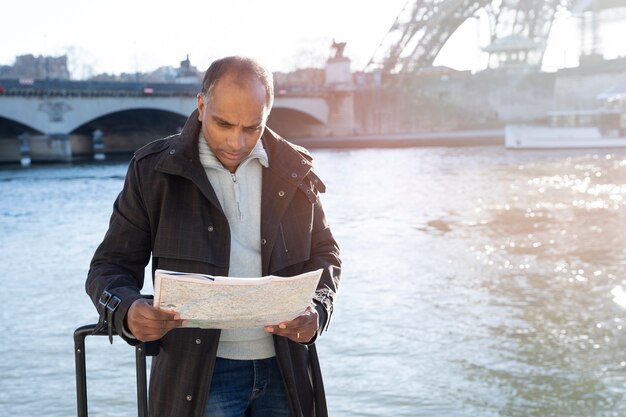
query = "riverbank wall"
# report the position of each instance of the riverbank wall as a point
(484, 137)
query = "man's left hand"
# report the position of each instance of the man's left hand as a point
(301, 329)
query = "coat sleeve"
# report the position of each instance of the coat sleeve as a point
(324, 255)
(116, 273)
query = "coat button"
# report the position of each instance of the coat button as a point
(198, 341)
(189, 398)
(281, 193)
(210, 228)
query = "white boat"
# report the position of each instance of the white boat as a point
(547, 137)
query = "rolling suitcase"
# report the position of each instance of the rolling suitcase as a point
(81, 373)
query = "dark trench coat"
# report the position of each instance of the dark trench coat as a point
(168, 210)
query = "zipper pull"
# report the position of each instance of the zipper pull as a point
(234, 177)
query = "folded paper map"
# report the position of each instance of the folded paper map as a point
(211, 302)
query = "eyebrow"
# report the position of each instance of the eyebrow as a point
(218, 119)
(222, 121)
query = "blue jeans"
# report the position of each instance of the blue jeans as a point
(242, 388)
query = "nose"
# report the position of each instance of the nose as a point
(238, 140)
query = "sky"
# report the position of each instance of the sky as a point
(139, 35)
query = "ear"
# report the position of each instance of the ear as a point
(201, 105)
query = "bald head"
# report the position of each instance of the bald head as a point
(240, 70)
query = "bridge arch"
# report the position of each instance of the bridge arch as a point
(19, 115)
(291, 123)
(129, 129)
(108, 107)
(315, 107)
(11, 128)
(131, 118)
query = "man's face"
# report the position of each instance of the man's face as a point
(233, 118)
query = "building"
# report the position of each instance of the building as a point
(37, 68)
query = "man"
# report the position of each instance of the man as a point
(226, 196)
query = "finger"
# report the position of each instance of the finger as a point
(154, 330)
(301, 337)
(159, 325)
(148, 323)
(299, 324)
(297, 334)
(300, 329)
(303, 319)
(143, 323)
(287, 328)
(292, 324)
(153, 313)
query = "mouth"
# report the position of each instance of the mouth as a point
(232, 156)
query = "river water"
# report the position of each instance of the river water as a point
(477, 282)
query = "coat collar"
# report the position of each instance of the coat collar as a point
(286, 160)
(182, 158)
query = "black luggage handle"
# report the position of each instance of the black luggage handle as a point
(81, 372)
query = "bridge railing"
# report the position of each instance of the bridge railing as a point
(64, 88)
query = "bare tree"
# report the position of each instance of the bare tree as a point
(80, 63)
(312, 54)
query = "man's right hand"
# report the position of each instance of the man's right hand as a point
(148, 323)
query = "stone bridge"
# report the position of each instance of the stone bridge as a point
(56, 120)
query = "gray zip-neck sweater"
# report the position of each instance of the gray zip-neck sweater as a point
(239, 195)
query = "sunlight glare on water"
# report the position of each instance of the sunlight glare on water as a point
(477, 282)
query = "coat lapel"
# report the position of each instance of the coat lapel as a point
(286, 172)
(183, 159)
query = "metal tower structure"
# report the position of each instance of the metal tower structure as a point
(419, 32)
(423, 27)
(524, 21)
(589, 12)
